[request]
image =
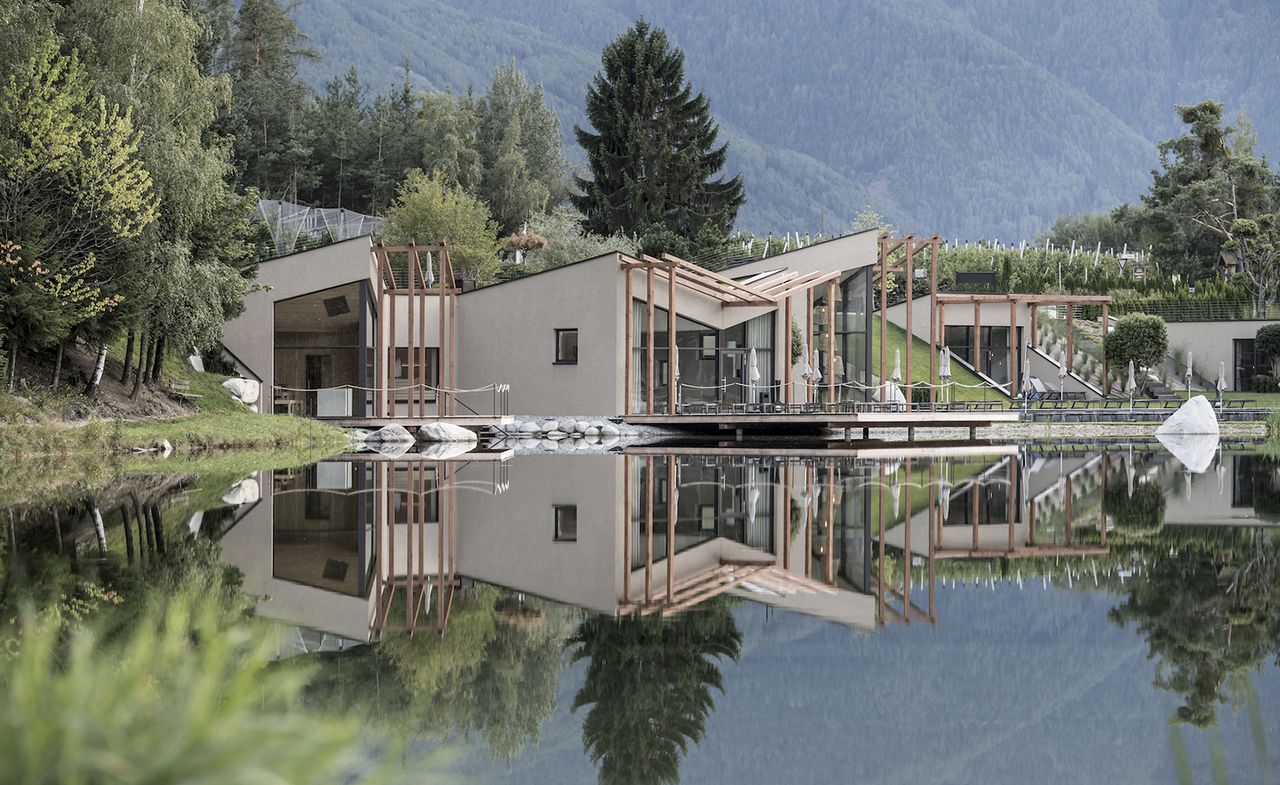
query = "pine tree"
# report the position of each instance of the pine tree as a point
(268, 99)
(518, 137)
(653, 154)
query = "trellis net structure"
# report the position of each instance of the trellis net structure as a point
(295, 225)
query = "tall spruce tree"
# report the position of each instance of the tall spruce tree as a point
(653, 154)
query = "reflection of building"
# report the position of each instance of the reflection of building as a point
(1020, 506)
(363, 547)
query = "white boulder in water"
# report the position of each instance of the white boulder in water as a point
(446, 432)
(244, 390)
(443, 451)
(1195, 451)
(1196, 416)
(393, 433)
(244, 492)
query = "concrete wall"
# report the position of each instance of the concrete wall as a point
(506, 333)
(249, 337)
(509, 539)
(1211, 343)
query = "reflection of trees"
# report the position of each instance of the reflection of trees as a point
(494, 672)
(649, 685)
(1210, 612)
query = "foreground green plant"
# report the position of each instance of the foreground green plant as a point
(186, 695)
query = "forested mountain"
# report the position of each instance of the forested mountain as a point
(969, 117)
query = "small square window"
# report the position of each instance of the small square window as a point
(566, 522)
(567, 347)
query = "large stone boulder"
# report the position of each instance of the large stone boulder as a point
(443, 451)
(243, 390)
(1196, 416)
(393, 433)
(528, 427)
(1195, 451)
(244, 492)
(446, 432)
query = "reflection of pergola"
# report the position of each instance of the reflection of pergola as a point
(1034, 302)
(762, 291)
(975, 549)
(759, 573)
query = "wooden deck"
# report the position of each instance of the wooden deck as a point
(414, 423)
(836, 449)
(818, 420)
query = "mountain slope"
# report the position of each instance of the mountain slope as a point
(971, 119)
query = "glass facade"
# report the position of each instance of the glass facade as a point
(850, 363)
(711, 365)
(322, 352)
(322, 526)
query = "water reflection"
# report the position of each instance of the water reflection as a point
(451, 596)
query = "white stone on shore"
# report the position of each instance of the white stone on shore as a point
(549, 426)
(243, 390)
(593, 431)
(557, 435)
(446, 432)
(528, 427)
(581, 426)
(1196, 416)
(609, 429)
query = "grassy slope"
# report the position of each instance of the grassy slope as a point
(897, 339)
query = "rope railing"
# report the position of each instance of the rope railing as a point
(500, 393)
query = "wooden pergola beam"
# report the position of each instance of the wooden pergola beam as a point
(1029, 299)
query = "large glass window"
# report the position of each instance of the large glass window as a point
(322, 533)
(567, 347)
(993, 360)
(320, 352)
(1247, 364)
(711, 365)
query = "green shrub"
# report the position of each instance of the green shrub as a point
(1138, 514)
(1139, 337)
(1265, 383)
(1267, 343)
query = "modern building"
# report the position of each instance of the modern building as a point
(358, 330)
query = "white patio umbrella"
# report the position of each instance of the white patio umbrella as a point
(817, 374)
(1188, 374)
(1221, 384)
(806, 370)
(426, 270)
(944, 371)
(753, 374)
(1129, 471)
(1062, 371)
(897, 365)
(753, 496)
(1131, 385)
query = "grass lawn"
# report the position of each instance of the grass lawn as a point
(919, 371)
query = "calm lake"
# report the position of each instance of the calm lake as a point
(925, 613)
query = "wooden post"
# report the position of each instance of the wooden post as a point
(786, 515)
(786, 354)
(441, 397)
(1106, 375)
(422, 344)
(379, 337)
(1102, 510)
(1033, 341)
(810, 391)
(909, 271)
(648, 404)
(453, 337)
(1071, 321)
(1013, 348)
(977, 336)
(671, 528)
(880, 602)
(809, 480)
(829, 562)
(672, 387)
(884, 315)
(630, 358)
(393, 344)
(935, 310)
(626, 519)
(906, 547)
(648, 525)
(1013, 478)
(410, 358)
(831, 341)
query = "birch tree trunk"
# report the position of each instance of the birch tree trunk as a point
(98, 368)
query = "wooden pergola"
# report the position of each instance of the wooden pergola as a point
(401, 272)
(1033, 302)
(898, 255)
(768, 290)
